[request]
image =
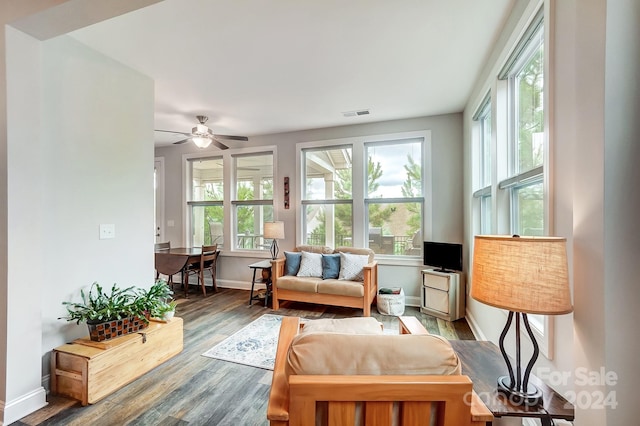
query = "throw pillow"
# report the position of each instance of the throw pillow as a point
(292, 262)
(330, 266)
(310, 265)
(351, 266)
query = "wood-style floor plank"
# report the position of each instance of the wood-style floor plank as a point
(190, 389)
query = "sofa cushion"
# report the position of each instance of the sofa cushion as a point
(408, 354)
(306, 284)
(315, 249)
(292, 262)
(310, 265)
(355, 250)
(351, 266)
(330, 266)
(357, 325)
(341, 288)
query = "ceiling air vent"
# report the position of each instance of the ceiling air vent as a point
(356, 113)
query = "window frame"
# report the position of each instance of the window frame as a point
(359, 178)
(261, 202)
(229, 178)
(484, 175)
(504, 181)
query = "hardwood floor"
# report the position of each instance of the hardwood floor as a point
(193, 390)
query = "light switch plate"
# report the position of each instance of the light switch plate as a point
(107, 231)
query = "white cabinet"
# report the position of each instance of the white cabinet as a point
(443, 294)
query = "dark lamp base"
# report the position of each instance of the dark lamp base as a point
(531, 397)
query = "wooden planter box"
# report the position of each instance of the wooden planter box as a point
(88, 371)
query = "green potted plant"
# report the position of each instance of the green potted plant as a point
(107, 315)
(152, 302)
(167, 310)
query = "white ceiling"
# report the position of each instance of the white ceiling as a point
(259, 67)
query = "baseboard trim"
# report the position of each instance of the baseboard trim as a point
(475, 328)
(23, 405)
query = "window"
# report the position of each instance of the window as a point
(519, 152)
(526, 141)
(206, 204)
(327, 198)
(229, 197)
(365, 193)
(394, 198)
(253, 204)
(483, 164)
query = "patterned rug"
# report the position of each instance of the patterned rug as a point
(253, 345)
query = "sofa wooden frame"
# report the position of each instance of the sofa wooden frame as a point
(370, 285)
(292, 401)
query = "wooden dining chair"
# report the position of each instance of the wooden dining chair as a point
(208, 259)
(163, 246)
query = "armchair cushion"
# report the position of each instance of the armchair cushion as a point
(310, 265)
(359, 354)
(356, 325)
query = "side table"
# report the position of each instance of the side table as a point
(483, 363)
(265, 277)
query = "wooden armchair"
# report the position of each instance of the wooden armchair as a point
(293, 399)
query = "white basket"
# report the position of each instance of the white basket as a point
(391, 304)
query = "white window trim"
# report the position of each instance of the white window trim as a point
(229, 189)
(358, 211)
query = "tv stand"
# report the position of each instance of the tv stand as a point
(443, 294)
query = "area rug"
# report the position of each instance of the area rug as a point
(253, 345)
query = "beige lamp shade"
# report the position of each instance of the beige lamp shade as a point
(274, 230)
(521, 274)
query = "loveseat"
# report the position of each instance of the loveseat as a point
(347, 277)
(348, 372)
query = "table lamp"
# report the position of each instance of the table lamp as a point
(274, 231)
(525, 275)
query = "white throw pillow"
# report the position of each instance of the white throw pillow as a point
(310, 265)
(351, 266)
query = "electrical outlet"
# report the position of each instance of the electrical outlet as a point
(107, 231)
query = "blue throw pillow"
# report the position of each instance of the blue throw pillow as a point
(330, 266)
(292, 262)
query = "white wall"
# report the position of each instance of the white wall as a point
(80, 153)
(446, 138)
(622, 204)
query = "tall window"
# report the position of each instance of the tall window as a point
(520, 151)
(394, 200)
(483, 163)
(525, 76)
(367, 193)
(206, 204)
(327, 198)
(253, 203)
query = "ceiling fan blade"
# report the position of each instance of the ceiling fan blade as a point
(233, 138)
(182, 141)
(219, 144)
(171, 131)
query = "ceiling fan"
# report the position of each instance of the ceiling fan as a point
(202, 136)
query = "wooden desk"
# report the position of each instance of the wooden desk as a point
(175, 260)
(264, 265)
(483, 363)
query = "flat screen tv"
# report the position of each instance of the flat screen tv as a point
(443, 256)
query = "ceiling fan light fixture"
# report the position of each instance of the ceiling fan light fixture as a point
(200, 129)
(201, 142)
